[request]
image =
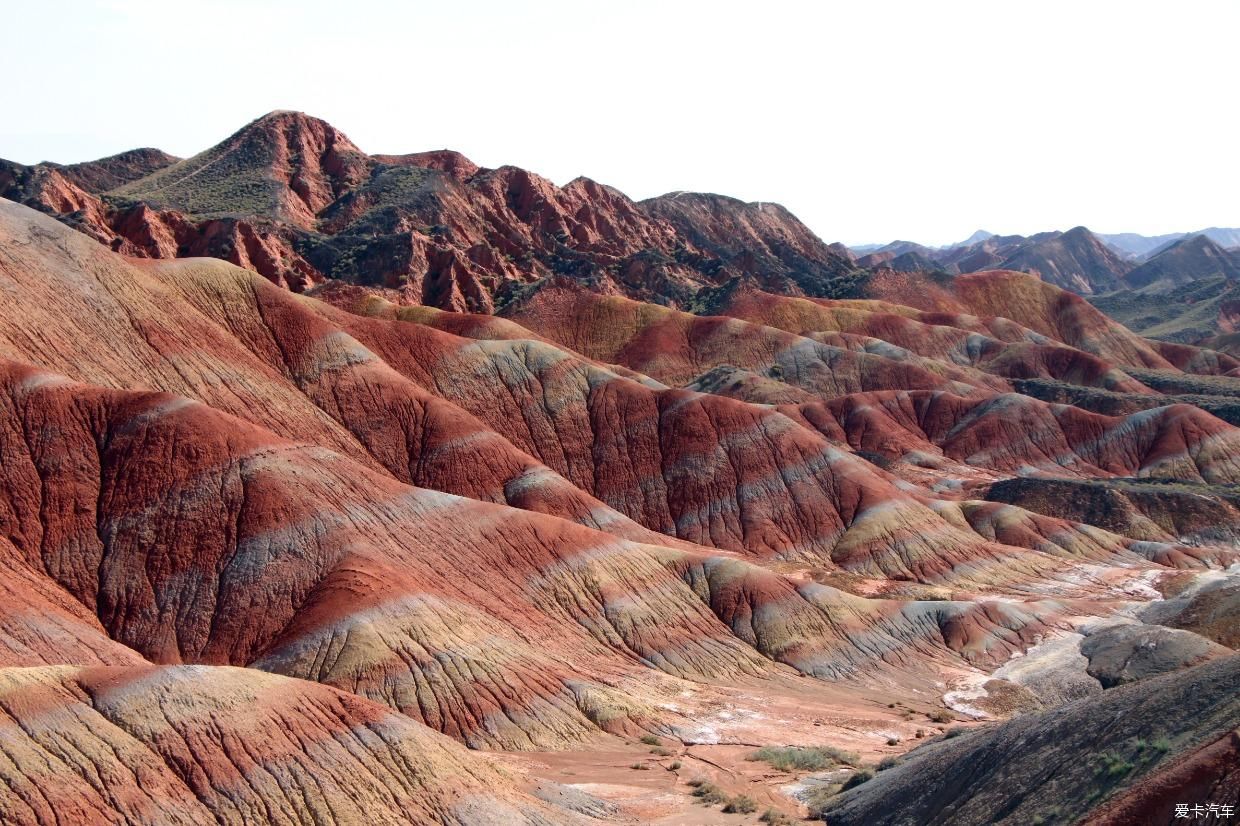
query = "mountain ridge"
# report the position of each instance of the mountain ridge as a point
(291, 197)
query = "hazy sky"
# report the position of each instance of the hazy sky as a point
(871, 121)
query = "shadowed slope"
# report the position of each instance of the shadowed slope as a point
(1165, 740)
(1077, 260)
(1184, 261)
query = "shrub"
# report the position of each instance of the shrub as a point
(1162, 745)
(797, 758)
(888, 762)
(859, 777)
(660, 751)
(709, 794)
(885, 463)
(742, 804)
(1112, 766)
(641, 767)
(651, 740)
(955, 731)
(675, 766)
(774, 817)
(941, 715)
(1050, 816)
(817, 797)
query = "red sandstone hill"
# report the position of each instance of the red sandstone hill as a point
(264, 546)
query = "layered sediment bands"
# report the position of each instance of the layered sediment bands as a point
(198, 744)
(676, 347)
(534, 373)
(560, 429)
(199, 329)
(589, 517)
(1016, 433)
(1057, 313)
(830, 634)
(693, 466)
(417, 436)
(196, 537)
(1079, 540)
(696, 467)
(1051, 311)
(63, 297)
(1197, 360)
(991, 344)
(283, 553)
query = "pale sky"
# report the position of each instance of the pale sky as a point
(871, 121)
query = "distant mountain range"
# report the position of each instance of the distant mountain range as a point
(1188, 291)
(1076, 260)
(1144, 246)
(1079, 260)
(1130, 244)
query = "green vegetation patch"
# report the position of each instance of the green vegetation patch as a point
(802, 758)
